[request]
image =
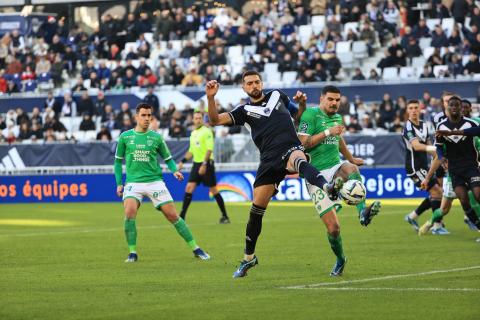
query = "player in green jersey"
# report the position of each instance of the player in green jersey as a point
(320, 132)
(203, 168)
(140, 147)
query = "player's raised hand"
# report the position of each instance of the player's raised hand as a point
(211, 88)
(300, 97)
(178, 175)
(336, 130)
(120, 191)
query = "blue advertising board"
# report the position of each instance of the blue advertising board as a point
(233, 185)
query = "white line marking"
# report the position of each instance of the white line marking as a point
(396, 276)
(392, 289)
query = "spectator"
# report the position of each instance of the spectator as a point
(308, 76)
(24, 132)
(455, 67)
(192, 78)
(22, 117)
(320, 74)
(79, 86)
(87, 123)
(472, 66)
(421, 30)
(36, 115)
(358, 75)
(52, 103)
(69, 107)
(397, 125)
(218, 57)
(413, 49)
(459, 10)
(427, 73)
(130, 79)
(124, 112)
(152, 99)
(104, 134)
(85, 105)
(439, 39)
(374, 75)
(37, 131)
(354, 126)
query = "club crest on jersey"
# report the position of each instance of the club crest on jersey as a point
(266, 110)
(149, 143)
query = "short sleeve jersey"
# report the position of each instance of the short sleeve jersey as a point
(270, 124)
(439, 117)
(415, 160)
(460, 150)
(140, 151)
(327, 153)
(201, 140)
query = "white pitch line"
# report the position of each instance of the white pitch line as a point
(393, 289)
(396, 276)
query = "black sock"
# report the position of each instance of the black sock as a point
(309, 172)
(221, 204)
(472, 216)
(254, 227)
(424, 206)
(187, 198)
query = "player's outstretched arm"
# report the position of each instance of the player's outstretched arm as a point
(417, 146)
(475, 131)
(215, 119)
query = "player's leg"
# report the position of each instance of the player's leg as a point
(476, 207)
(462, 194)
(412, 217)
(349, 171)
(182, 229)
(297, 162)
(187, 198)
(221, 204)
(261, 197)
(435, 193)
(132, 198)
(474, 184)
(163, 201)
(131, 206)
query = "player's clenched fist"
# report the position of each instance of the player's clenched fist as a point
(424, 185)
(178, 175)
(300, 97)
(211, 88)
(336, 130)
(120, 191)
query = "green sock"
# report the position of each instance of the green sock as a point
(336, 245)
(185, 233)
(475, 205)
(356, 176)
(436, 216)
(131, 234)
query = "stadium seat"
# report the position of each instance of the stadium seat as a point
(149, 37)
(289, 77)
(136, 63)
(237, 67)
(424, 42)
(235, 53)
(130, 45)
(87, 83)
(305, 33)
(177, 45)
(447, 25)
(350, 26)
(30, 86)
(465, 59)
(427, 52)
(408, 73)
(44, 77)
(390, 73)
(432, 23)
(437, 69)
(115, 134)
(249, 51)
(75, 123)
(270, 67)
(343, 47)
(273, 77)
(79, 135)
(152, 63)
(360, 50)
(201, 36)
(346, 58)
(90, 135)
(318, 24)
(418, 62)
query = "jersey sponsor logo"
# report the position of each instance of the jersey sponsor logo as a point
(141, 155)
(255, 115)
(303, 127)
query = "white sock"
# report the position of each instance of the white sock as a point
(413, 215)
(437, 225)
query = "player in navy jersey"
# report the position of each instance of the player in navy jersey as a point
(268, 117)
(462, 156)
(416, 138)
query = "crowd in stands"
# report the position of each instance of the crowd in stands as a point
(164, 44)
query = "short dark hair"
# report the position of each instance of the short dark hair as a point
(141, 106)
(250, 73)
(412, 101)
(447, 93)
(456, 99)
(467, 102)
(331, 89)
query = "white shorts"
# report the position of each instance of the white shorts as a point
(329, 173)
(157, 192)
(448, 191)
(320, 199)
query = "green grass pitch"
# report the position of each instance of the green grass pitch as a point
(66, 261)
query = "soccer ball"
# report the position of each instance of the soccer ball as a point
(353, 192)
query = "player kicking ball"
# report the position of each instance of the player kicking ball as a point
(268, 117)
(139, 147)
(320, 132)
